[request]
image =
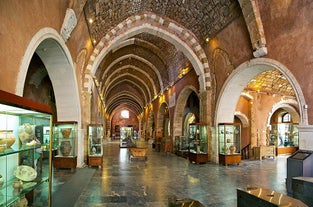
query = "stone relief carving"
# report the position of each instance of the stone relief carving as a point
(69, 23)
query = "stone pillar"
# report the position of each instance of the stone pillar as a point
(305, 137)
(85, 103)
(205, 114)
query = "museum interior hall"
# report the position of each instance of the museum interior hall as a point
(156, 103)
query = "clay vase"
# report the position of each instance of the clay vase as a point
(1, 181)
(22, 202)
(17, 185)
(65, 148)
(232, 149)
(7, 138)
(66, 132)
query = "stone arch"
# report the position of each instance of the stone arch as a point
(243, 118)
(150, 23)
(161, 118)
(53, 52)
(178, 111)
(239, 78)
(291, 106)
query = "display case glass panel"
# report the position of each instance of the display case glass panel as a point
(198, 142)
(126, 137)
(65, 138)
(95, 137)
(284, 135)
(22, 165)
(229, 137)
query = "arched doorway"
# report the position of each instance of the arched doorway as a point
(258, 105)
(283, 130)
(52, 51)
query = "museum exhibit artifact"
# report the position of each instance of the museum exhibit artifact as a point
(65, 138)
(198, 143)
(23, 168)
(95, 148)
(229, 143)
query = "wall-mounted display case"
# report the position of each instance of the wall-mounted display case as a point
(198, 143)
(65, 138)
(22, 166)
(229, 143)
(285, 137)
(95, 148)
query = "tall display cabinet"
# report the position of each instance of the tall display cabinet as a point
(65, 139)
(229, 143)
(285, 137)
(126, 139)
(95, 148)
(23, 169)
(198, 143)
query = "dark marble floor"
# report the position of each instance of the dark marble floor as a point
(121, 182)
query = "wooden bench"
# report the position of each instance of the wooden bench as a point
(137, 153)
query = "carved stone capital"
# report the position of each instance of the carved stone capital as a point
(260, 52)
(69, 23)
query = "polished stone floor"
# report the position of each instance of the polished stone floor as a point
(123, 183)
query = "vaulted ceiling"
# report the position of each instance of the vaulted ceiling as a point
(135, 71)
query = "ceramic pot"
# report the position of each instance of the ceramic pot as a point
(65, 148)
(7, 138)
(18, 184)
(66, 132)
(232, 149)
(22, 202)
(26, 133)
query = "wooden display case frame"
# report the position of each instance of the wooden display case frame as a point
(94, 160)
(20, 108)
(229, 134)
(61, 161)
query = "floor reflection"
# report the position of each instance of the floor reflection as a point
(121, 182)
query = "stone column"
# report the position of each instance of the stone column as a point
(205, 113)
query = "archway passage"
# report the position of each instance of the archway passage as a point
(253, 92)
(140, 59)
(48, 46)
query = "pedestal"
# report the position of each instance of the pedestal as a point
(198, 157)
(286, 150)
(65, 162)
(227, 159)
(264, 151)
(95, 161)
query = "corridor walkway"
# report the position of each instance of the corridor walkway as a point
(151, 183)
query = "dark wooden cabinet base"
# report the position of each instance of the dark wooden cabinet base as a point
(198, 158)
(65, 162)
(95, 161)
(227, 159)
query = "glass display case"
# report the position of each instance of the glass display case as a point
(181, 145)
(126, 137)
(285, 137)
(22, 166)
(198, 143)
(95, 148)
(229, 143)
(65, 139)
